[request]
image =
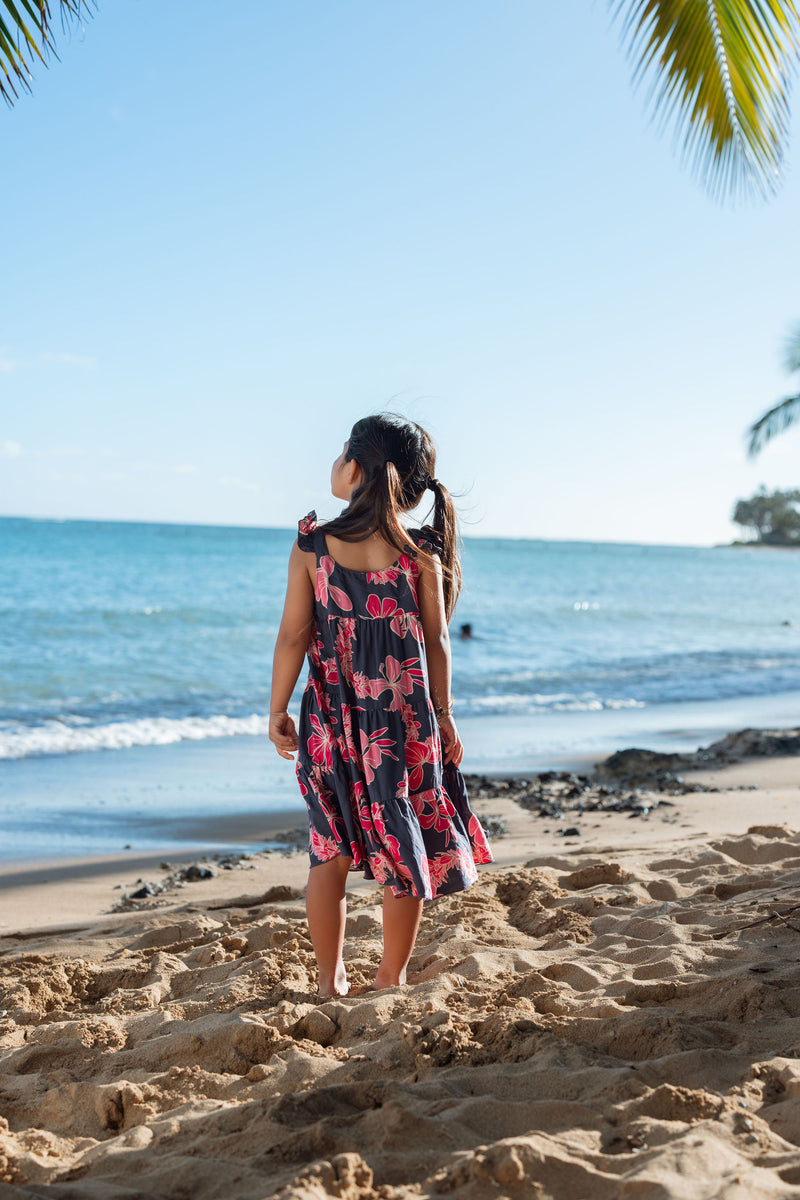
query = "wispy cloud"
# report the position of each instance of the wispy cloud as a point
(184, 469)
(10, 450)
(6, 363)
(240, 484)
(85, 361)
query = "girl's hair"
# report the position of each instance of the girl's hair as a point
(398, 464)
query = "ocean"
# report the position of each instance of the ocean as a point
(120, 639)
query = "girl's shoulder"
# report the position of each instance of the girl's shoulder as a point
(306, 531)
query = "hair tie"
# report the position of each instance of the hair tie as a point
(432, 484)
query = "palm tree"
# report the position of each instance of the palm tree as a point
(25, 36)
(783, 414)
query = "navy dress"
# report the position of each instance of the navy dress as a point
(370, 761)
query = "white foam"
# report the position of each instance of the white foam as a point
(522, 703)
(57, 737)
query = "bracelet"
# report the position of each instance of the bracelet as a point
(280, 712)
(441, 712)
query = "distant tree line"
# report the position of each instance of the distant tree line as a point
(775, 517)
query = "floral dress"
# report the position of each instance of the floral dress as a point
(369, 762)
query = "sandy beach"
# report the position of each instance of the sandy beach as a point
(610, 1012)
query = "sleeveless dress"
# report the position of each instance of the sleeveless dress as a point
(369, 762)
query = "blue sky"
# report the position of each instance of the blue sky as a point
(225, 243)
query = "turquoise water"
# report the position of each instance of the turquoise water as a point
(115, 636)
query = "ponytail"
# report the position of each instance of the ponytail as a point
(397, 458)
(444, 523)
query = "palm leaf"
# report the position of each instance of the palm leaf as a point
(25, 37)
(773, 422)
(719, 72)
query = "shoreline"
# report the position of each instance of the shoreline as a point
(713, 794)
(221, 795)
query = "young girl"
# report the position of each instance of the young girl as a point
(378, 751)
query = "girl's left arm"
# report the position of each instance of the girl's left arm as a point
(290, 650)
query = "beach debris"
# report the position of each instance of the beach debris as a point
(149, 893)
(494, 826)
(147, 889)
(561, 795)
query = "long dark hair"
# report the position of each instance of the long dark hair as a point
(398, 464)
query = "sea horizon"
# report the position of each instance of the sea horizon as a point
(471, 536)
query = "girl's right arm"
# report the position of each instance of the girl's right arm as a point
(290, 650)
(437, 652)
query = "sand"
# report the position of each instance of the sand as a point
(606, 1015)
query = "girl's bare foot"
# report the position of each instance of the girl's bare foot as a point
(337, 986)
(387, 979)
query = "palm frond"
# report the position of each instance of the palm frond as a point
(26, 36)
(773, 422)
(719, 71)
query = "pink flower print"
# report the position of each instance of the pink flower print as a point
(417, 754)
(330, 670)
(381, 608)
(373, 749)
(325, 801)
(399, 623)
(389, 575)
(308, 524)
(324, 571)
(347, 747)
(380, 865)
(321, 697)
(356, 796)
(431, 812)
(412, 725)
(379, 825)
(441, 866)
(364, 686)
(403, 623)
(322, 848)
(412, 576)
(393, 847)
(398, 678)
(480, 847)
(321, 743)
(344, 646)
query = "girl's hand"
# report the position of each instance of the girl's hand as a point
(283, 734)
(451, 742)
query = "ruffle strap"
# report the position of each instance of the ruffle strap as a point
(428, 539)
(305, 531)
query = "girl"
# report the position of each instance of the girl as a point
(369, 601)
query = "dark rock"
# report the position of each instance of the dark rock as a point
(573, 831)
(195, 872)
(638, 765)
(143, 892)
(754, 743)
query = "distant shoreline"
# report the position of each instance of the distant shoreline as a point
(755, 546)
